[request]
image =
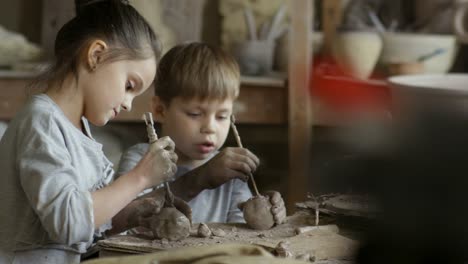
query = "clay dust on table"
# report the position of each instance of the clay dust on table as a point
(322, 242)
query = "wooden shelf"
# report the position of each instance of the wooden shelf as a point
(261, 100)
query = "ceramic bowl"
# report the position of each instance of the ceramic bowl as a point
(420, 92)
(408, 47)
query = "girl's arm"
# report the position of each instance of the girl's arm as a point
(157, 166)
(108, 201)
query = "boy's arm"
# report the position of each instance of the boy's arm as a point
(228, 164)
(189, 185)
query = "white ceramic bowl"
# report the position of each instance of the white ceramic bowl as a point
(451, 84)
(418, 92)
(408, 47)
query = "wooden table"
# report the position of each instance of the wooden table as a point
(322, 242)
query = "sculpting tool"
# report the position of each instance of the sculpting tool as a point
(239, 143)
(152, 138)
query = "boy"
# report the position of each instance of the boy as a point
(195, 88)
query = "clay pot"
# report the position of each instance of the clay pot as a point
(171, 224)
(357, 52)
(257, 213)
(255, 57)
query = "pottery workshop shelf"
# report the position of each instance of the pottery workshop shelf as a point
(261, 101)
(15, 90)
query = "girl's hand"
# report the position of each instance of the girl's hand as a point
(159, 163)
(230, 163)
(151, 204)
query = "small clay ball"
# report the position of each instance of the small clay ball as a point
(204, 230)
(171, 224)
(218, 232)
(282, 249)
(257, 213)
(304, 257)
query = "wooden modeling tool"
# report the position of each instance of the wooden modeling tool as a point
(239, 143)
(257, 210)
(152, 138)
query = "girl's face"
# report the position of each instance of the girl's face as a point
(198, 128)
(111, 87)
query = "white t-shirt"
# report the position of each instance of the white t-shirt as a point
(49, 168)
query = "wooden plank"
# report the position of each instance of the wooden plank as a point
(13, 95)
(259, 102)
(263, 81)
(331, 18)
(300, 120)
(261, 105)
(55, 13)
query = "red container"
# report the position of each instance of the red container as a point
(342, 92)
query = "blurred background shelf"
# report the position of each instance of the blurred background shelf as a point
(262, 100)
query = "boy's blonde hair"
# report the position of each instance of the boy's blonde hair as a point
(197, 70)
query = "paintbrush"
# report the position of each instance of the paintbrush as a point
(274, 27)
(250, 23)
(152, 138)
(239, 143)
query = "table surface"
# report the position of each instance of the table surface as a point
(323, 242)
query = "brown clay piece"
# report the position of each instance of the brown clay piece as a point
(204, 230)
(218, 232)
(282, 249)
(257, 213)
(171, 224)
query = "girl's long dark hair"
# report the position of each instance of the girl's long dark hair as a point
(116, 22)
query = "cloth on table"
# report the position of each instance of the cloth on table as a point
(220, 254)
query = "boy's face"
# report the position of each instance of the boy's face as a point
(198, 128)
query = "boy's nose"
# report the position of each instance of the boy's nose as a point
(208, 126)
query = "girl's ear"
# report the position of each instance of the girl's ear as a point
(95, 51)
(159, 109)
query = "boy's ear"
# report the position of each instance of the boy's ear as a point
(95, 51)
(159, 109)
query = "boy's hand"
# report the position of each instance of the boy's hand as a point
(278, 209)
(230, 163)
(159, 163)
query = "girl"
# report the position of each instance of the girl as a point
(56, 187)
